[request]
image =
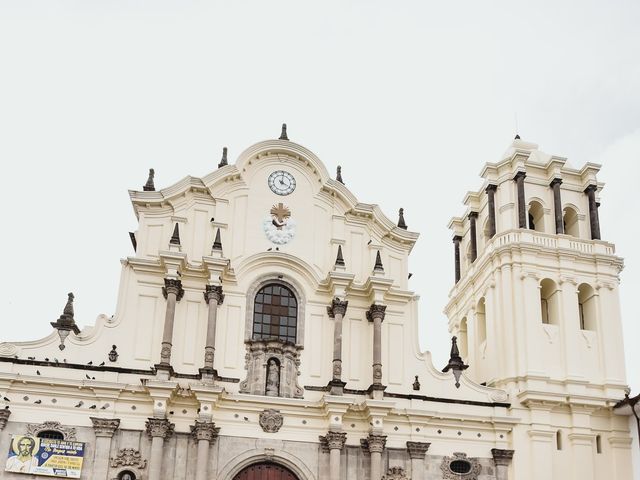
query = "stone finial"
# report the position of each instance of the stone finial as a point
(68, 308)
(378, 265)
(149, 186)
(339, 257)
(455, 362)
(401, 222)
(113, 354)
(5, 413)
(223, 160)
(104, 427)
(416, 383)
(159, 427)
(217, 243)
(334, 440)
(175, 237)
(66, 323)
(517, 137)
(205, 431)
(339, 174)
(283, 133)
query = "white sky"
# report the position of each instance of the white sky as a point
(411, 98)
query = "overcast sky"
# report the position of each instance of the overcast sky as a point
(411, 98)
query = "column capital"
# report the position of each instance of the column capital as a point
(376, 312)
(159, 427)
(375, 443)
(173, 286)
(457, 239)
(334, 440)
(492, 187)
(519, 175)
(338, 307)
(591, 188)
(104, 427)
(205, 431)
(502, 457)
(555, 181)
(417, 450)
(5, 413)
(214, 292)
(473, 215)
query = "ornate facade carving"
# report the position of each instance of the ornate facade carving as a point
(105, 427)
(5, 413)
(173, 286)
(204, 431)
(417, 450)
(395, 473)
(338, 307)
(376, 443)
(271, 420)
(68, 433)
(459, 457)
(159, 427)
(333, 440)
(259, 354)
(214, 292)
(376, 311)
(128, 457)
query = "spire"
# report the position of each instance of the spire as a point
(339, 257)
(283, 134)
(217, 243)
(378, 266)
(339, 174)
(149, 186)
(175, 238)
(66, 323)
(223, 160)
(401, 222)
(68, 308)
(455, 362)
(517, 137)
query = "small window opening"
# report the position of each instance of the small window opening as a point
(598, 444)
(532, 222)
(51, 434)
(127, 475)
(558, 440)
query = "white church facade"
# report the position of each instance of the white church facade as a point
(264, 330)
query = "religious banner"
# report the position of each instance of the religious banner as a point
(45, 457)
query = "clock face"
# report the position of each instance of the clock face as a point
(281, 182)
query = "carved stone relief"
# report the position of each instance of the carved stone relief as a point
(271, 420)
(68, 433)
(396, 473)
(128, 457)
(272, 369)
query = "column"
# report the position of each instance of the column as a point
(335, 442)
(214, 297)
(502, 460)
(417, 451)
(336, 311)
(158, 429)
(557, 204)
(474, 238)
(103, 428)
(376, 445)
(582, 454)
(541, 453)
(173, 292)
(456, 250)
(593, 212)
(491, 201)
(375, 314)
(204, 433)
(522, 208)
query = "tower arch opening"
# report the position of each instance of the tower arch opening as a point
(549, 302)
(587, 307)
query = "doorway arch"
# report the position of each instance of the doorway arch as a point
(265, 471)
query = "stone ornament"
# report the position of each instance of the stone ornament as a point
(113, 354)
(417, 450)
(105, 427)
(376, 443)
(338, 307)
(173, 286)
(257, 363)
(460, 459)
(204, 431)
(68, 433)
(271, 420)
(128, 457)
(5, 413)
(395, 473)
(502, 457)
(333, 440)
(376, 312)
(214, 292)
(279, 227)
(159, 427)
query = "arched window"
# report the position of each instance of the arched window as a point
(549, 301)
(559, 440)
(51, 434)
(275, 314)
(127, 475)
(587, 307)
(598, 444)
(481, 322)
(463, 339)
(536, 216)
(570, 221)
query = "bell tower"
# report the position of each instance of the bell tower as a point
(535, 307)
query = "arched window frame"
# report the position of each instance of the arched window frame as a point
(549, 303)
(587, 307)
(572, 229)
(536, 213)
(481, 322)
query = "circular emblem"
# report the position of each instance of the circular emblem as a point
(279, 227)
(281, 182)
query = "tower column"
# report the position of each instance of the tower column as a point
(522, 210)
(491, 204)
(376, 444)
(376, 314)
(204, 433)
(214, 297)
(593, 212)
(557, 204)
(103, 428)
(173, 292)
(158, 429)
(417, 451)
(456, 253)
(474, 237)
(502, 460)
(335, 442)
(541, 452)
(336, 311)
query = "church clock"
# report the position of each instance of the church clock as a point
(281, 182)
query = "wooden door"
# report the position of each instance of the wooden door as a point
(265, 471)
